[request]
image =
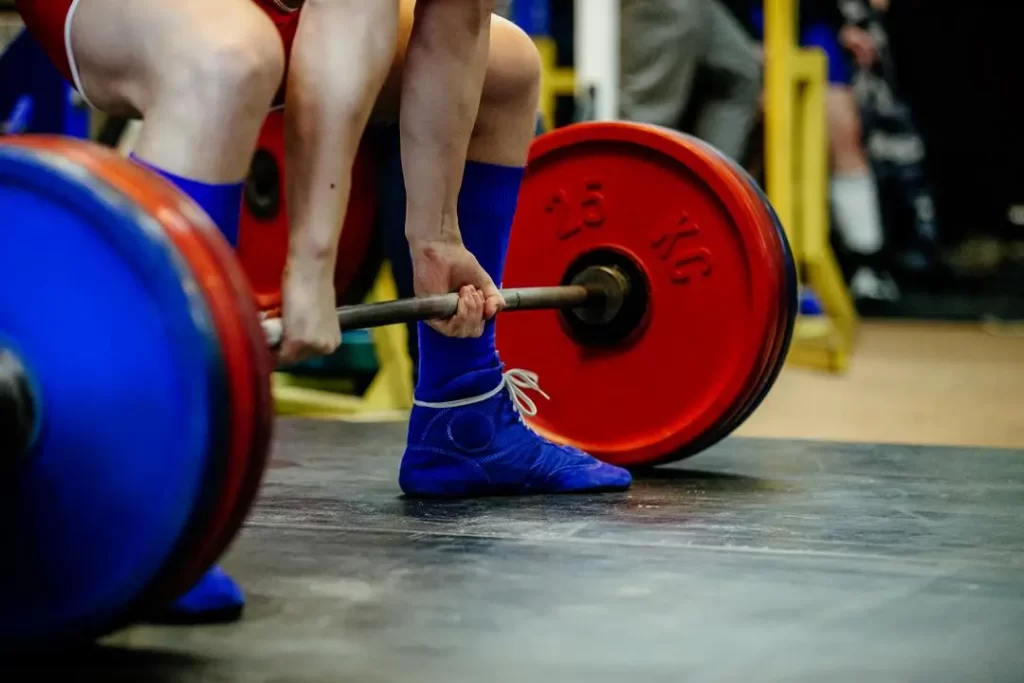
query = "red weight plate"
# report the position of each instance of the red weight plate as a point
(787, 319)
(227, 292)
(185, 223)
(773, 342)
(263, 230)
(773, 338)
(683, 219)
(787, 289)
(235, 511)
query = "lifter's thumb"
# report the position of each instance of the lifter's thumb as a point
(494, 302)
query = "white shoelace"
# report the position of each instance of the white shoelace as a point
(516, 381)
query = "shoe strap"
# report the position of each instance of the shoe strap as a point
(516, 381)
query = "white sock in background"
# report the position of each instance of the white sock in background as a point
(859, 222)
(858, 218)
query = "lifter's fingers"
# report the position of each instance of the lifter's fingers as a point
(472, 324)
(494, 302)
(457, 323)
(479, 318)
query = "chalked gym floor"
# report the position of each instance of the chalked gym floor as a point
(759, 560)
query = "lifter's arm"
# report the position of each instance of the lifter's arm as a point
(444, 78)
(445, 67)
(342, 53)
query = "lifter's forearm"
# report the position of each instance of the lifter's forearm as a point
(343, 50)
(444, 75)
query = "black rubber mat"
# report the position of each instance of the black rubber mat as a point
(755, 561)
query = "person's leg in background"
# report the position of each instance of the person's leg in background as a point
(855, 199)
(727, 116)
(854, 194)
(661, 45)
(202, 75)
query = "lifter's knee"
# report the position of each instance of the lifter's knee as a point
(236, 67)
(506, 121)
(513, 70)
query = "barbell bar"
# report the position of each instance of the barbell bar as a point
(598, 292)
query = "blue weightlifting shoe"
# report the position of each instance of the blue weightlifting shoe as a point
(216, 599)
(480, 446)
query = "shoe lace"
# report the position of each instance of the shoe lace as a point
(515, 380)
(518, 381)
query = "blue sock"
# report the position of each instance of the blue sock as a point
(458, 368)
(223, 202)
(215, 599)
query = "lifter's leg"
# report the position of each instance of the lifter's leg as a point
(465, 435)
(202, 74)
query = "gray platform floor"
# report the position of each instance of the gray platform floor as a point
(755, 561)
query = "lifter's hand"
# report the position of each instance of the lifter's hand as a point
(308, 314)
(443, 267)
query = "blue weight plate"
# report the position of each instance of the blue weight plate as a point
(119, 343)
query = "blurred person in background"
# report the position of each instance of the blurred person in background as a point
(895, 149)
(853, 191)
(690, 66)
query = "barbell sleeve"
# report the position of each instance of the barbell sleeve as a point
(363, 316)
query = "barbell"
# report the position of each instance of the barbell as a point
(596, 296)
(135, 397)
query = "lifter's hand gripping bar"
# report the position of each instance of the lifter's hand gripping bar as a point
(363, 316)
